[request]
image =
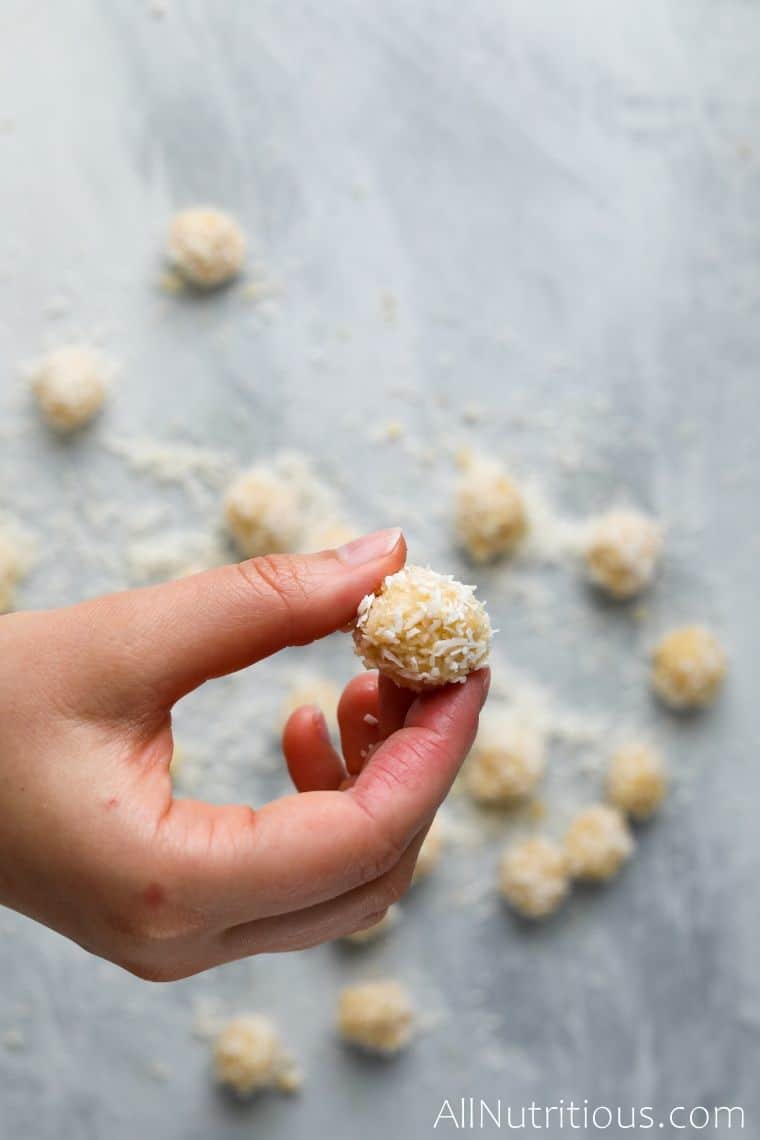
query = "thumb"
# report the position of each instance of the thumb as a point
(163, 641)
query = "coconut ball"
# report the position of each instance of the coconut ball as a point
(489, 513)
(533, 877)
(637, 780)
(688, 667)
(507, 759)
(206, 246)
(622, 552)
(430, 852)
(70, 385)
(597, 843)
(249, 1056)
(11, 569)
(377, 1016)
(377, 930)
(422, 629)
(262, 513)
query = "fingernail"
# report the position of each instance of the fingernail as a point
(485, 681)
(319, 722)
(370, 547)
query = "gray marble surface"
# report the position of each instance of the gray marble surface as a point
(550, 211)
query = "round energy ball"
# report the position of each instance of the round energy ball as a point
(377, 930)
(430, 852)
(249, 1056)
(533, 877)
(10, 571)
(70, 385)
(376, 1016)
(597, 843)
(489, 512)
(507, 759)
(637, 781)
(206, 246)
(262, 513)
(688, 667)
(622, 552)
(422, 629)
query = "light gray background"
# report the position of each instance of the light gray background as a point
(564, 202)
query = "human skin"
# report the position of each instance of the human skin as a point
(93, 845)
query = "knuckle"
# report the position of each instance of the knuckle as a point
(282, 577)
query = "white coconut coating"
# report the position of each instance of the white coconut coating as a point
(206, 246)
(533, 877)
(622, 552)
(70, 385)
(422, 629)
(507, 759)
(262, 512)
(249, 1056)
(489, 512)
(688, 667)
(377, 1016)
(598, 843)
(637, 780)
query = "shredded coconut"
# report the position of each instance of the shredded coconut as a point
(422, 629)
(622, 551)
(688, 667)
(206, 246)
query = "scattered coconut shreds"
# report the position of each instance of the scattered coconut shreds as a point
(422, 629)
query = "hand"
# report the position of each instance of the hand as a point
(92, 843)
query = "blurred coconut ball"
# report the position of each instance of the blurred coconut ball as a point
(507, 759)
(422, 629)
(637, 780)
(377, 930)
(206, 246)
(249, 1056)
(688, 667)
(262, 512)
(533, 877)
(70, 385)
(377, 1016)
(431, 851)
(622, 552)
(598, 843)
(489, 512)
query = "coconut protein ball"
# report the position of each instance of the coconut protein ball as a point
(533, 877)
(637, 780)
(249, 1056)
(70, 385)
(489, 513)
(262, 512)
(376, 1016)
(688, 667)
(622, 552)
(507, 759)
(422, 629)
(206, 246)
(598, 843)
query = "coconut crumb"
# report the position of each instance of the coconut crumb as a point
(377, 1016)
